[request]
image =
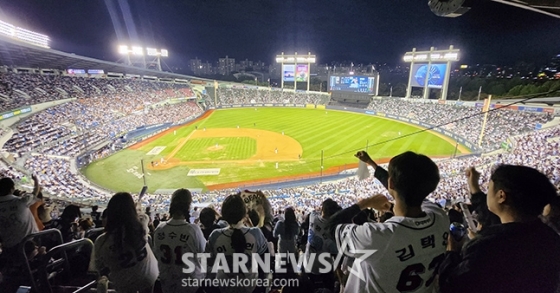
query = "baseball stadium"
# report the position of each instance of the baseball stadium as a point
(248, 146)
(78, 130)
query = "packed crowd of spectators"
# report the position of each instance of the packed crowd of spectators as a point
(316, 219)
(231, 95)
(500, 124)
(21, 89)
(105, 109)
(58, 180)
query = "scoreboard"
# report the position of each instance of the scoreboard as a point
(359, 84)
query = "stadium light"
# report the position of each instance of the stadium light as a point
(24, 35)
(139, 56)
(451, 56)
(123, 49)
(137, 51)
(154, 52)
(151, 52)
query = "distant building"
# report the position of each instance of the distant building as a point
(200, 68)
(226, 65)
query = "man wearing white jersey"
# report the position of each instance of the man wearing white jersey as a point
(318, 242)
(174, 238)
(16, 220)
(403, 253)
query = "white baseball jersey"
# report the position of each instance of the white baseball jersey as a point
(219, 242)
(400, 255)
(129, 270)
(172, 239)
(16, 220)
(318, 241)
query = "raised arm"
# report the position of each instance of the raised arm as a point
(381, 174)
(478, 199)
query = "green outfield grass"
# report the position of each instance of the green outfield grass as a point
(339, 134)
(228, 148)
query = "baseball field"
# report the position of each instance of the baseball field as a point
(225, 147)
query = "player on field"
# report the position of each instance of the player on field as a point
(403, 253)
(174, 238)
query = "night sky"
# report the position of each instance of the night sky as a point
(335, 30)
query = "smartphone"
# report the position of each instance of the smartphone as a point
(468, 216)
(457, 230)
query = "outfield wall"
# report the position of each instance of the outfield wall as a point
(471, 146)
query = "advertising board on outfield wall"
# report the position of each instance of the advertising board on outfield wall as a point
(262, 105)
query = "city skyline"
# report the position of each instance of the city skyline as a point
(359, 31)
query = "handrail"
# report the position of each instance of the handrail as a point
(47, 267)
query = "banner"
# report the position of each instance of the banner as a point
(16, 112)
(288, 72)
(302, 73)
(204, 172)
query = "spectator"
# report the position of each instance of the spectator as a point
(518, 255)
(83, 226)
(208, 218)
(44, 214)
(236, 238)
(96, 216)
(69, 216)
(17, 221)
(286, 231)
(404, 251)
(318, 242)
(122, 253)
(195, 215)
(173, 239)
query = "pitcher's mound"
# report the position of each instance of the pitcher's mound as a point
(215, 148)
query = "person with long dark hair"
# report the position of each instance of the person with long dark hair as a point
(122, 253)
(236, 238)
(286, 231)
(174, 238)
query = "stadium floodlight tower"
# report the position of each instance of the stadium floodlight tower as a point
(295, 68)
(135, 56)
(24, 35)
(156, 55)
(430, 70)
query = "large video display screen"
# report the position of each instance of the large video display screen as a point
(352, 83)
(435, 75)
(299, 72)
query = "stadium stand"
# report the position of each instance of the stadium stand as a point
(229, 95)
